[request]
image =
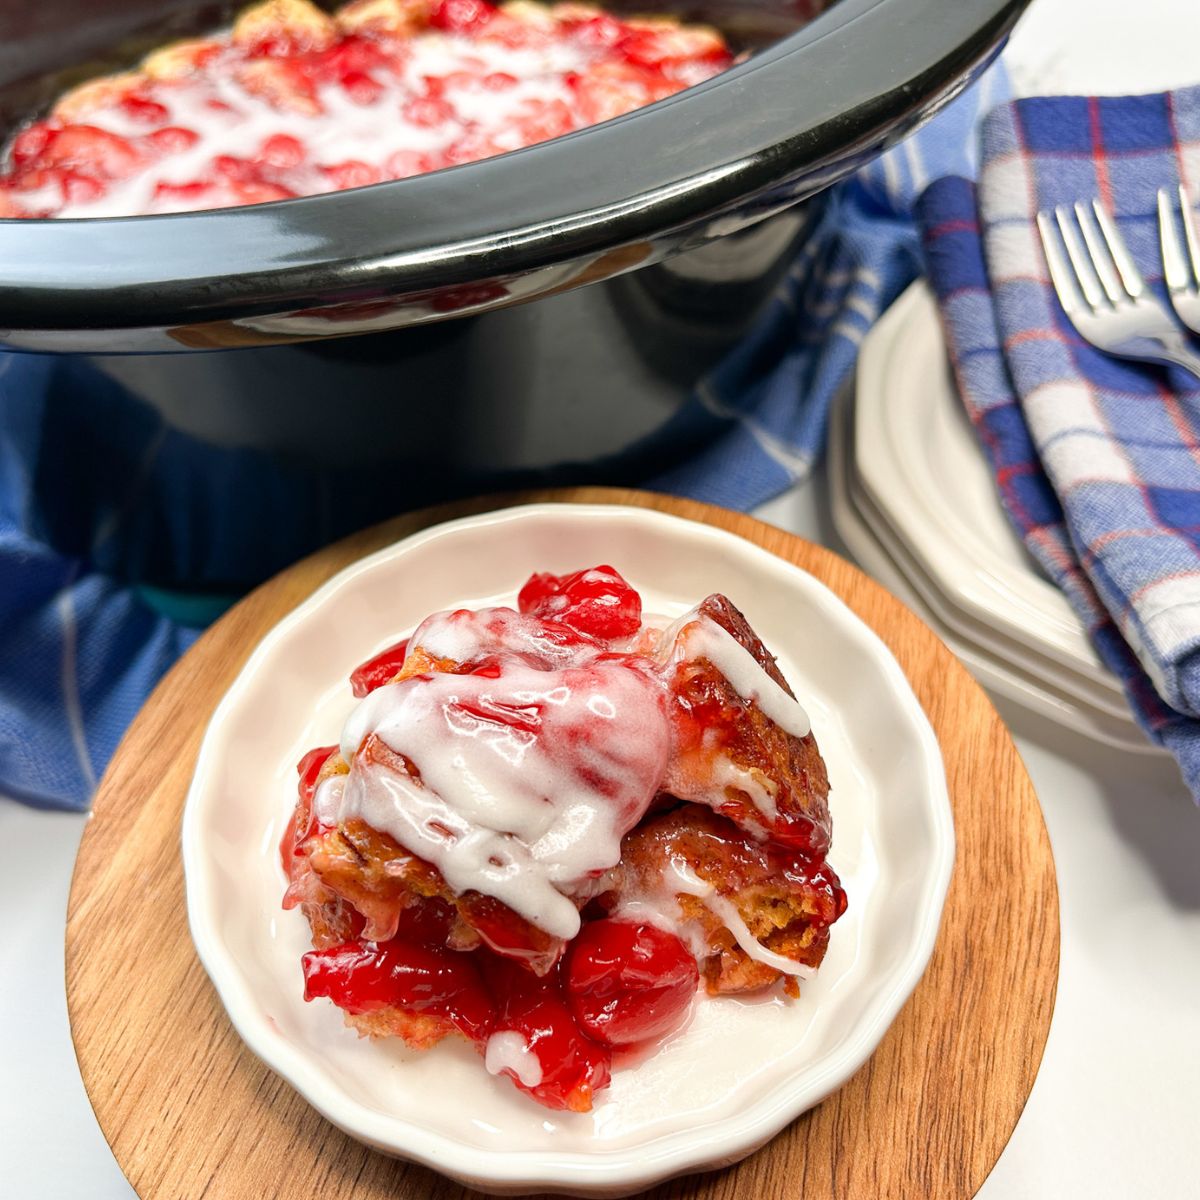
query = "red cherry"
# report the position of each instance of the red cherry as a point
(823, 889)
(232, 167)
(255, 191)
(471, 147)
(405, 163)
(541, 120)
(600, 30)
(488, 668)
(301, 823)
(95, 149)
(361, 87)
(508, 934)
(141, 108)
(351, 174)
(352, 54)
(173, 139)
(309, 767)
(596, 601)
(439, 85)
(186, 193)
(461, 16)
(798, 832)
(31, 143)
(362, 978)
(573, 1067)
(377, 671)
(628, 983)
(427, 922)
(80, 188)
(538, 588)
(427, 111)
(282, 151)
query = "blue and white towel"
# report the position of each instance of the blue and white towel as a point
(82, 643)
(1097, 459)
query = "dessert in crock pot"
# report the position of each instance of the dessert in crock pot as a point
(545, 828)
(294, 101)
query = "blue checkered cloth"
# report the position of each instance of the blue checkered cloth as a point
(1097, 460)
(90, 508)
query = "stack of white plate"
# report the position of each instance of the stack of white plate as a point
(913, 498)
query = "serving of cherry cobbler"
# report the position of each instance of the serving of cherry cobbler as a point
(295, 101)
(551, 829)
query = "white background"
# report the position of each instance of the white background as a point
(1114, 1112)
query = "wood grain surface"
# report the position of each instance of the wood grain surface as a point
(190, 1113)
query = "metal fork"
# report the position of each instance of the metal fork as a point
(1181, 274)
(1103, 293)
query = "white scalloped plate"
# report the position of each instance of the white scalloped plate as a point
(740, 1071)
(883, 556)
(916, 456)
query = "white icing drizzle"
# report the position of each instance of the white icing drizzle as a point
(702, 637)
(509, 1051)
(643, 911)
(463, 634)
(732, 919)
(522, 786)
(660, 907)
(526, 784)
(327, 799)
(759, 786)
(687, 881)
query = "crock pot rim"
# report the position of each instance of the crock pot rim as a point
(862, 66)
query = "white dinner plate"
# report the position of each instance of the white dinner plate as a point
(739, 1072)
(984, 638)
(885, 559)
(917, 456)
(1108, 713)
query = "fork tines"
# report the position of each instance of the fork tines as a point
(1102, 290)
(1181, 270)
(1105, 270)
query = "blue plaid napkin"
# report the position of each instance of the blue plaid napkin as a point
(1097, 460)
(97, 496)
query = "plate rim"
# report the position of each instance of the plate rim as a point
(997, 677)
(630, 1167)
(1064, 639)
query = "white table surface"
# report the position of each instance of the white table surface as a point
(1114, 1112)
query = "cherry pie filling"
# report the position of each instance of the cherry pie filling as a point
(544, 827)
(294, 101)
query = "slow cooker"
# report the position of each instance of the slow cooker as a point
(346, 355)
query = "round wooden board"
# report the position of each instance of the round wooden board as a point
(190, 1113)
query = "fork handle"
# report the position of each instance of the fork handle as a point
(1176, 350)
